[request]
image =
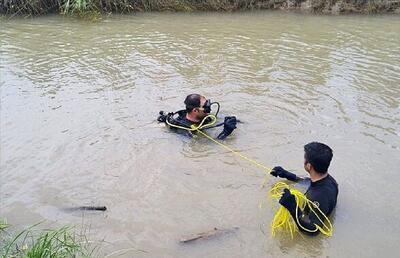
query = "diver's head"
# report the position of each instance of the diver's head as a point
(196, 107)
(317, 157)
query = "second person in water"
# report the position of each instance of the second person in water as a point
(197, 109)
(323, 189)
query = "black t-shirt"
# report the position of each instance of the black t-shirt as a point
(324, 193)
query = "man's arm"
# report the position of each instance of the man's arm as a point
(306, 226)
(281, 172)
(229, 126)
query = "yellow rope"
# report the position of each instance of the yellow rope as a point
(213, 121)
(284, 220)
(254, 162)
(199, 127)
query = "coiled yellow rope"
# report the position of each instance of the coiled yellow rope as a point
(283, 220)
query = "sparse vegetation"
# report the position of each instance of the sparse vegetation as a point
(83, 7)
(34, 243)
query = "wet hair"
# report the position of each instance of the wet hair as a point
(192, 101)
(319, 155)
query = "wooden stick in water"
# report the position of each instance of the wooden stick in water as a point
(87, 208)
(208, 234)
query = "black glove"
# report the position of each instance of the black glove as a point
(280, 172)
(288, 201)
(229, 126)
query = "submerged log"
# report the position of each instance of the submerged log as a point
(87, 208)
(208, 234)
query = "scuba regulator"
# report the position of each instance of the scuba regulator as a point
(208, 104)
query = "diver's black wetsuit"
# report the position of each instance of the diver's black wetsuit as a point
(182, 120)
(324, 192)
(179, 118)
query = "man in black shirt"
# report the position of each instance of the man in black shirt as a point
(197, 107)
(323, 190)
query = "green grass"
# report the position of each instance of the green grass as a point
(33, 243)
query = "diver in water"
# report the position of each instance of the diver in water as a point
(323, 189)
(197, 113)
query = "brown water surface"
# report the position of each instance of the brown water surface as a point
(78, 108)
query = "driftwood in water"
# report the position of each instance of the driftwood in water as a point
(204, 235)
(87, 208)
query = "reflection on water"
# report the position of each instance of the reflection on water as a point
(79, 100)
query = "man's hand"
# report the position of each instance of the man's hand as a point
(280, 172)
(288, 201)
(229, 126)
(230, 123)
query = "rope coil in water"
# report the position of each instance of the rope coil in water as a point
(282, 219)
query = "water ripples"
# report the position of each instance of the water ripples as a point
(293, 67)
(79, 102)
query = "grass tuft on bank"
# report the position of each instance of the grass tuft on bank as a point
(34, 243)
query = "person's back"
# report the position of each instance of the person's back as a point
(324, 193)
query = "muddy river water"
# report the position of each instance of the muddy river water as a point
(78, 107)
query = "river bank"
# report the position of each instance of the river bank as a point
(40, 7)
